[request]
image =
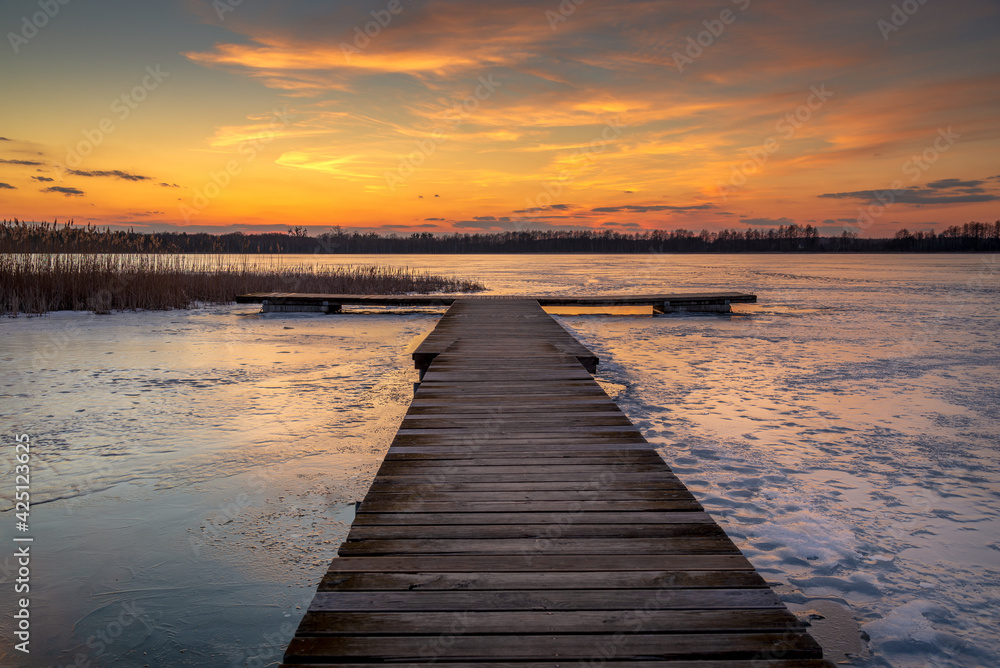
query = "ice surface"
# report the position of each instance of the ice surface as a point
(200, 466)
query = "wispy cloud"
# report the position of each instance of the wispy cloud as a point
(767, 222)
(43, 179)
(551, 207)
(636, 208)
(63, 190)
(7, 186)
(111, 173)
(27, 163)
(942, 191)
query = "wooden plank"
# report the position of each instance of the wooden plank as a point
(723, 663)
(534, 517)
(485, 476)
(431, 493)
(393, 506)
(721, 579)
(532, 531)
(539, 564)
(462, 456)
(468, 468)
(518, 547)
(567, 647)
(541, 599)
(486, 435)
(547, 622)
(548, 449)
(382, 487)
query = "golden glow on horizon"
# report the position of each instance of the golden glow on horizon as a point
(459, 120)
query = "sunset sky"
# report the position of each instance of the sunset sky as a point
(471, 116)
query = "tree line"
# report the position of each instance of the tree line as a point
(21, 237)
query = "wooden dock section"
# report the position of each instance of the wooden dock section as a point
(663, 303)
(520, 518)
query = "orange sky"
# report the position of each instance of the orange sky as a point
(462, 116)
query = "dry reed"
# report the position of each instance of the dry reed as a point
(37, 284)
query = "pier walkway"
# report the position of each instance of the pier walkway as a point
(520, 518)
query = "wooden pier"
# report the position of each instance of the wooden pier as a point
(520, 518)
(664, 303)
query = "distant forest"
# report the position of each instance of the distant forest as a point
(20, 237)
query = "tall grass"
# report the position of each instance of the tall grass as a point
(104, 283)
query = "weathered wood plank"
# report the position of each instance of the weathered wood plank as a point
(722, 579)
(485, 476)
(540, 599)
(545, 518)
(607, 458)
(567, 647)
(540, 564)
(519, 547)
(395, 506)
(723, 663)
(533, 531)
(431, 493)
(442, 485)
(469, 468)
(545, 622)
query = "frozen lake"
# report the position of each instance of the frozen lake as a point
(194, 471)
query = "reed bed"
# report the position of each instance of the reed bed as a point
(35, 284)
